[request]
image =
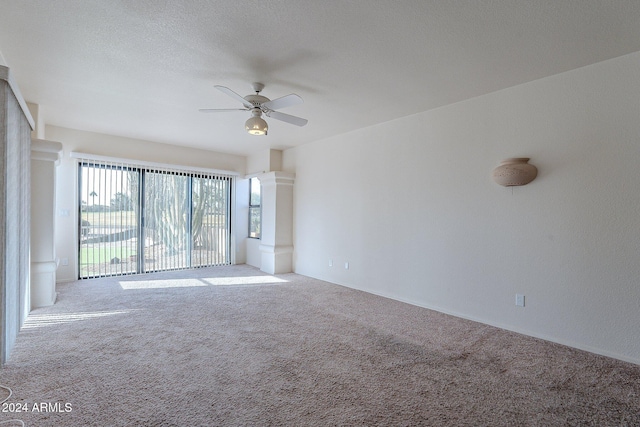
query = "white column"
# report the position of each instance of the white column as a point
(45, 156)
(276, 245)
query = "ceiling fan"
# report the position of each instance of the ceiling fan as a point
(257, 105)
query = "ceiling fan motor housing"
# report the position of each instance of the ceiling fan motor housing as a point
(256, 100)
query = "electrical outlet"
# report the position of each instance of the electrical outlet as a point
(330, 263)
(520, 300)
(65, 261)
(346, 265)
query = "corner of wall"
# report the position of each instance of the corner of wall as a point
(264, 161)
(37, 112)
(275, 160)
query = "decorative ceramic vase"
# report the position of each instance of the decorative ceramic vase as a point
(514, 171)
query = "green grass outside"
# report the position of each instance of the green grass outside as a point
(128, 218)
(103, 255)
(107, 218)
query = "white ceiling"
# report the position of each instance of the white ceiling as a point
(143, 68)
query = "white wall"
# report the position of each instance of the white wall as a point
(411, 206)
(113, 146)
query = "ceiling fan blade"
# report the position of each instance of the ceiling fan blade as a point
(298, 121)
(221, 110)
(234, 95)
(283, 102)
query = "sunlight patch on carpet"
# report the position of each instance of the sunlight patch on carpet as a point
(40, 320)
(200, 282)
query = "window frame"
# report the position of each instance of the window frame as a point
(251, 233)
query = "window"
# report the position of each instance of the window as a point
(255, 210)
(136, 219)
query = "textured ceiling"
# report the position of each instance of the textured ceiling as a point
(143, 68)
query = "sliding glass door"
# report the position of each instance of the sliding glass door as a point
(210, 222)
(166, 212)
(135, 220)
(109, 222)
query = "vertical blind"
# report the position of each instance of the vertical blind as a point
(137, 219)
(15, 208)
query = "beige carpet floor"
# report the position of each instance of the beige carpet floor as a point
(231, 346)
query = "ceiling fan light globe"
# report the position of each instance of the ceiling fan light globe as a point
(256, 126)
